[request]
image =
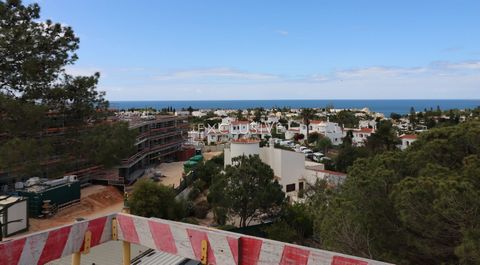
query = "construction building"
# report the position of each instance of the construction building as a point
(159, 139)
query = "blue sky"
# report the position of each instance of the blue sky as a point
(200, 50)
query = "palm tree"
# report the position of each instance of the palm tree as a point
(307, 114)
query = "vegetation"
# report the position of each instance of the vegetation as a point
(324, 144)
(420, 206)
(307, 115)
(384, 139)
(50, 121)
(346, 118)
(151, 199)
(247, 190)
(294, 224)
(433, 118)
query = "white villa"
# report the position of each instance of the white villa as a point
(290, 168)
(407, 140)
(326, 128)
(231, 129)
(359, 135)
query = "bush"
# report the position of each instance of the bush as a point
(226, 227)
(199, 184)
(190, 220)
(218, 160)
(193, 194)
(220, 215)
(201, 210)
(281, 231)
(150, 199)
(189, 206)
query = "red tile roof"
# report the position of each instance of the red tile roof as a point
(240, 122)
(408, 136)
(246, 141)
(363, 130)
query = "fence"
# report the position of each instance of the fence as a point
(210, 246)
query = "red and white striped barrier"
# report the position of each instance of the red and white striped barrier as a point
(224, 248)
(52, 244)
(185, 240)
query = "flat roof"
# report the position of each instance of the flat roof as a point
(9, 200)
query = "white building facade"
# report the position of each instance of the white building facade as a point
(288, 166)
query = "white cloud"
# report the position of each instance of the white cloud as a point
(377, 72)
(213, 73)
(452, 49)
(467, 65)
(439, 80)
(282, 32)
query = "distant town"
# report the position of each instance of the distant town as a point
(85, 181)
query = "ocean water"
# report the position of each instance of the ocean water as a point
(401, 106)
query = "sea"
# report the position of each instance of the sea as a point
(386, 106)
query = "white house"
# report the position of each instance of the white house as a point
(407, 140)
(198, 113)
(217, 136)
(239, 129)
(289, 167)
(272, 118)
(182, 113)
(260, 130)
(359, 135)
(220, 113)
(196, 136)
(367, 124)
(328, 129)
(290, 133)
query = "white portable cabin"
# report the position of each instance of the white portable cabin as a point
(14, 210)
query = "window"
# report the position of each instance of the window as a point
(300, 186)
(290, 187)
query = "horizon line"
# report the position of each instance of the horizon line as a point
(181, 100)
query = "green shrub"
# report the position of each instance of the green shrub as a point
(220, 215)
(201, 210)
(193, 194)
(190, 220)
(199, 184)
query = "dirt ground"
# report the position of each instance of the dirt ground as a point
(173, 171)
(210, 155)
(95, 201)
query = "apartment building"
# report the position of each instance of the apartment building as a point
(159, 138)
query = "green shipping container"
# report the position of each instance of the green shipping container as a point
(60, 196)
(196, 158)
(189, 165)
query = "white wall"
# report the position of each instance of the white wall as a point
(288, 166)
(239, 149)
(406, 143)
(16, 211)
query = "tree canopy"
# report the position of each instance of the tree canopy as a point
(151, 199)
(50, 121)
(419, 206)
(247, 190)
